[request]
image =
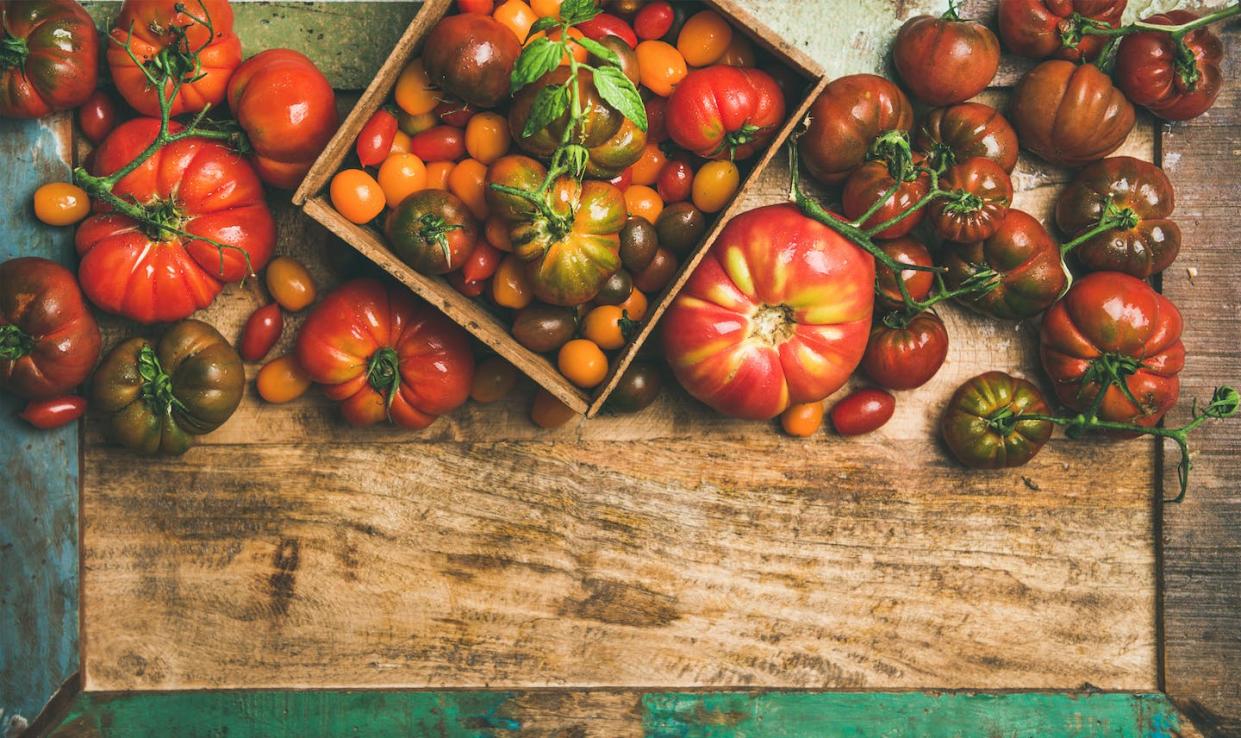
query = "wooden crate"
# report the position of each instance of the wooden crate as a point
(486, 325)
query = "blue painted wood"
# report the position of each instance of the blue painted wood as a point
(39, 484)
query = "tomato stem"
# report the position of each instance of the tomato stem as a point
(157, 387)
(13, 51)
(1092, 27)
(14, 342)
(434, 229)
(383, 372)
(1113, 218)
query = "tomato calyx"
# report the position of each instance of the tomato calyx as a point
(892, 147)
(13, 52)
(738, 138)
(772, 324)
(433, 228)
(962, 202)
(384, 375)
(14, 343)
(1113, 218)
(156, 383)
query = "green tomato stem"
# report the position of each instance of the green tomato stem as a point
(14, 342)
(13, 52)
(383, 372)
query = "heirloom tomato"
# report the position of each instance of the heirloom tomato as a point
(433, 231)
(48, 339)
(988, 193)
(1137, 197)
(154, 28)
(982, 424)
(156, 398)
(49, 57)
(1154, 72)
(471, 56)
(945, 60)
(1027, 260)
(904, 354)
(775, 314)
(1040, 28)
(1070, 114)
(288, 111)
(53, 412)
(960, 132)
(905, 250)
(863, 411)
(724, 112)
(1113, 334)
(846, 118)
(193, 186)
(638, 387)
(384, 354)
(872, 181)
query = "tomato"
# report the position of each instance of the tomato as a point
(648, 166)
(872, 181)
(261, 332)
(863, 411)
(155, 398)
(487, 137)
(643, 202)
(656, 126)
(704, 38)
(468, 181)
(356, 195)
(453, 112)
(1027, 260)
(637, 389)
(400, 176)
(441, 143)
(618, 153)
(724, 112)
(433, 231)
(802, 420)
(960, 132)
(544, 328)
(1037, 28)
(845, 119)
(438, 173)
(714, 185)
(1114, 326)
(638, 243)
(384, 354)
(517, 17)
(1151, 72)
(635, 306)
(680, 227)
(97, 116)
(61, 204)
(197, 186)
(905, 354)
(483, 262)
(945, 60)
(658, 273)
(776, 313)
(548, 412)
(48, 339)
(654, 20)
(495, 230)
(476, 6)
(675, 182)
(662, 67)
(510, 286)
(740, 52)
(606, 327)
(400, 142)
(976, 218)
(290, 283)
(472, 56)
(905, 250)
(518, 172)
(971, 425)
(494, 379)
(582, 362)
(54, 412)
(546, 8)
(606, 25)
(287, 109)
(376, 138)
(154, 25)
(1069, 114)
(49, 57)
(412, 125)
(616, 289)
(282, 380)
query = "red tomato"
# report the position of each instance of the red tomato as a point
(200, 186)
(49, 57)
(481, 263)
(376, 137)
(606, 24)
(1027, 260)
(905, 250)
(1152, 74)
(656, 126)
(676, 181)
(960, 132)
(455, 113)
(152, 22)
(905, 354)
(863, 411)
(622, 180)
(288, 111)
(261, 332)
(441, 143)
(1037, 28)
(844, 121)
(945, 60)
(724, 112)
(97, 116)
(53, 413)
(989, 194)
(776, 313)
(654, 21)
(384, 354)
(1070, 114)
(476, 6)
(873, 180)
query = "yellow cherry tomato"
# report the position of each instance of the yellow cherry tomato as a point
(704, 38)
(468, 181)
(582, 362)
(648, 166)
(356, 195)
(494, 378)
(400, 176)
(740, 53)
(634, 306)
(290, 283)
(282, 380)
(510, 287)
(660, 67)
(61, 204)
(517, 17)
(400, 143)
(546, 8)
(496, 231)
(438, 173)
(412, 125)
(487, 137)
(714, 185)
(644, 201)
(413, 91)
(603, 325)
(549, 412)
(803, 419)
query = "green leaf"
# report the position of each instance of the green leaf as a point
(578, 11)
(616, 89)
(551, 103)
(543, 24)
(599, 50)
(536, 60)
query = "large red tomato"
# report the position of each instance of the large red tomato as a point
(384, 354)
(1070, 114)
(1039, 28)
(959, 132)
(1112, 325)
(725, 112)
(194, 185)
(1152, 73)
(288, 111)
(777, 313)
(844, 121)
(164, 29)
(945, 60)
(49, 57)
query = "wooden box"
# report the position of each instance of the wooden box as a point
(484, 324)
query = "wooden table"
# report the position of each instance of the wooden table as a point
(590, 580)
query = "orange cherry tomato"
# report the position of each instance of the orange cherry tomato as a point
(400, 176)
(262, 331)
(356, 195)
(510, 287)
(714, 185)
(803, 419)
(546, 8)
(468, 181)
(496, 231)
(400, 143)
(661, 67)
(290, 284)
(494, 378)
(579, 52)
(487, 137)
(61, 204)
(282, 380)
(740, 53)
(646, 169)
(704, 38)
(413, 90)
(549, 412)
(634, 307)
(582, 362)
(517, 17)
(605, 325)
(438, 173)
(644, 201)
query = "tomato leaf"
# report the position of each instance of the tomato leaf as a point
(536, 60)
(599, 50)
(543, 24)
(551, 103)
(578, 11)
(616, 89)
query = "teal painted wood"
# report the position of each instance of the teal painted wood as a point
(39, 485)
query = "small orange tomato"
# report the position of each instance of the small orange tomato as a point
(714, 185)
(61, 204)
(605, 325)
(648, 166)
(487, 137)
(582, 362)
(661, 67)
(282, 380)
(438, 173)
(644, 201)
(290, 284)
(546, 8)
(493, 379)
(802, 420)
(468, 181)
(549, 412)
(517, 17)
(579, 52)
(704, 38)
(634, 307)
(510, 287)
(356, 195)
(412, 125)
(413, 91)
(496, 231)
(400, 176)
(400, 143)
(740, 53)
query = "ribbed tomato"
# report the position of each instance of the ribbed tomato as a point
(1070, 114)
(846, 118)
(724, 112)
(49, 57)
(1039, 28)
(1151, 71)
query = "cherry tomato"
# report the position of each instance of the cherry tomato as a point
(400, 176)
(510, 287)
(549, 412)
(454, 112)
(638, 387)
(714, 185)
(582, 362)
(290, 284)
(413, 91)
(482, 7)
(654, 20)
(482, 262)
(496, 230)
(681, 227)
(622, 180)
(635, 305)
(656, 128)
(468, 181)
(605, 325)
(494, 378)
(261, 332)
(644, 202)
(412, 125)
(400, 142)
(863, 411)
(470, 289)
(97, 116)
(487, 137)
(517, 17)
(61, 204)
(604, 25)
(803, 419)
(282, 380)
(546, 8)
(375, 140)
(646, 169)
(704, 38)
(441, 143)
(356, 195)
(905, 250)
(662, 67)
(905, 354)
(53, 412)
(438, 173)
(616, 289)
(658, 273)
(740, 53)
(676, 181)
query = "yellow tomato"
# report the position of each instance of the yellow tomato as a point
(400, 176)
(802, 420)
(468, 181)
(61, 204)
(290, 283)
(546, 8)
(413, 90)
(603, 326)
(644, 201)
(660, 67)
(282, 380)
(704, 38)
(496, 231)
(517, 17)
(582, 362)
(356, 195)
(510, 287)
(714, 185)
(648, 166)
(400, 143)
(487, 137)
(438, 173)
